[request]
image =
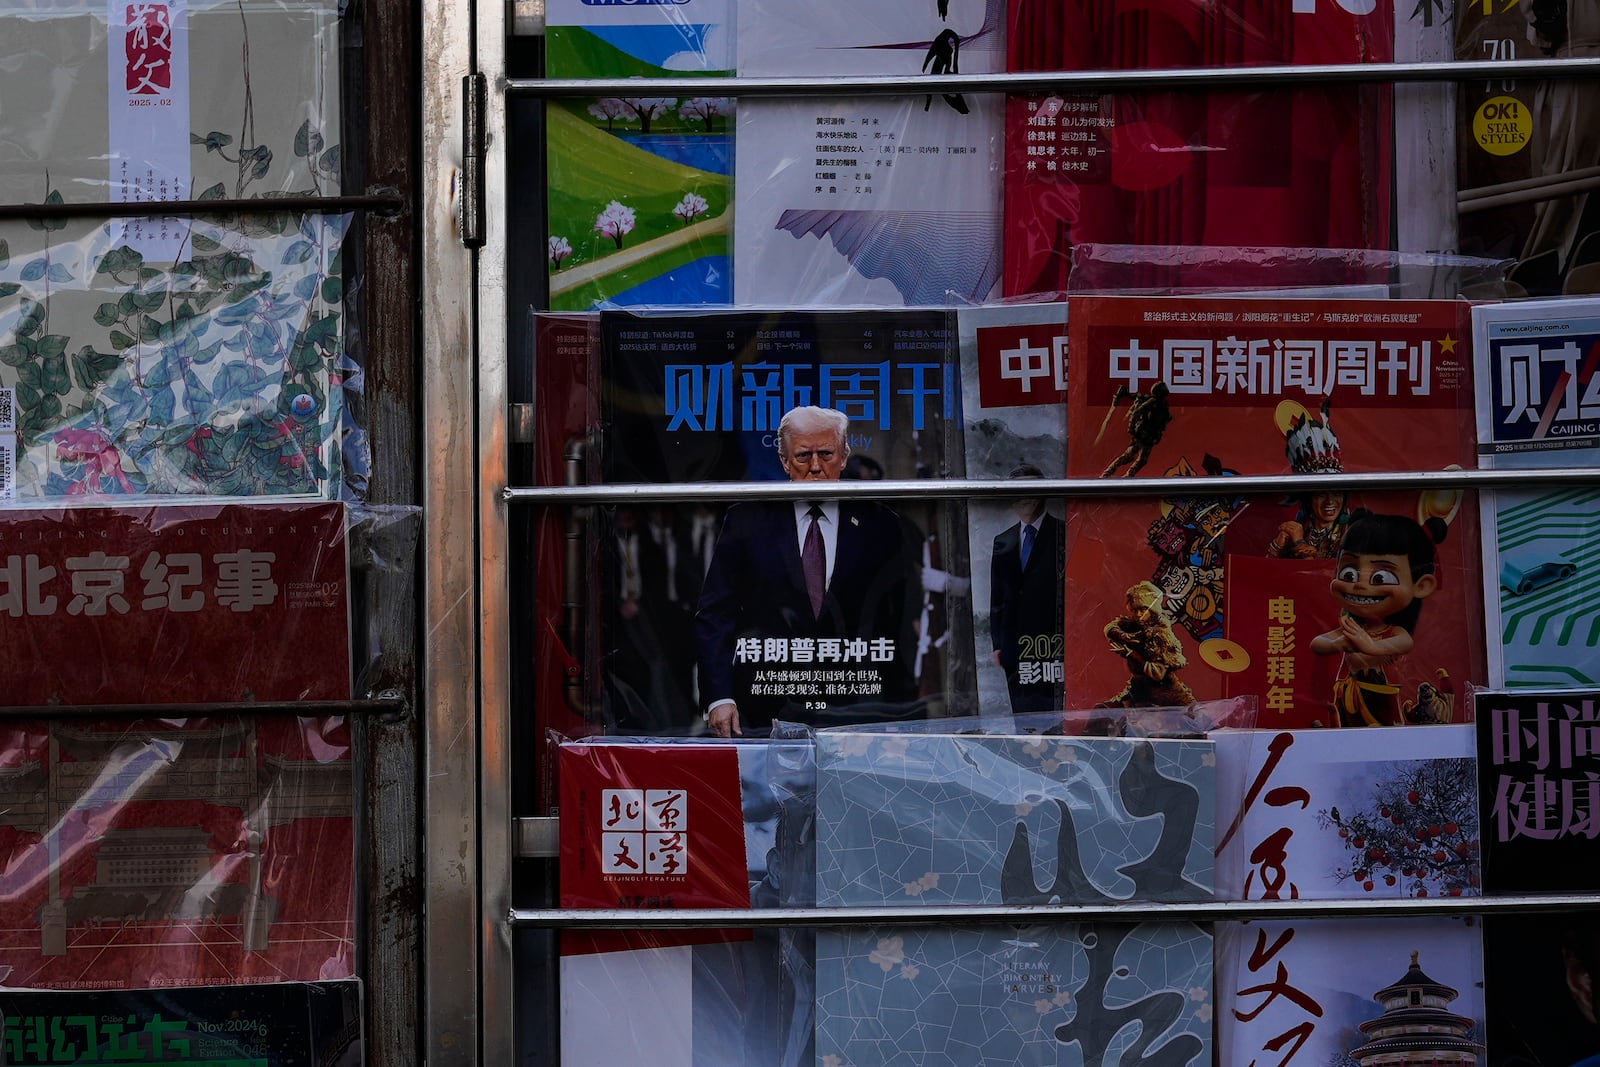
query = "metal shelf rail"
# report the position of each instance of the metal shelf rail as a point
(1095, 81)
(1076, 488)
(1198, 911)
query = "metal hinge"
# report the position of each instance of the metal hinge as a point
(474, 92)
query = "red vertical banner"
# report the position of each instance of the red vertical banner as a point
(1277, 607)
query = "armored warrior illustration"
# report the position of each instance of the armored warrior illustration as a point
(1386, 570)
(1148, 417)
(1145, 639)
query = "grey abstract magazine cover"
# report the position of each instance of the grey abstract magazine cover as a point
(918, 819)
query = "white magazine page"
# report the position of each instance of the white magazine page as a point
(874, 200)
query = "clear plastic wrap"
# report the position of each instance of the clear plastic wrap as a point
(1334, 166)
(954, 995)
(916, 818)
(174, 604)
(171, 852)
(1286, 272)
(217, 375)
(683, 823)
(171, 357)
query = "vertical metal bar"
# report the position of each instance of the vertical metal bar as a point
(450, 497)
(497, 984)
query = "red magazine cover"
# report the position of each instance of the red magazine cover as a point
(174, 604)
(171, 852)
(650, 826)
(1335, 608)
(1303, 167)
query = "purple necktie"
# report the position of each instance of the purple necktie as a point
(814, 561)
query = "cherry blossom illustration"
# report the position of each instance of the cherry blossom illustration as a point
(691, 207)
(610, 109)
(616, 221)
(705, 109)
(560, 249)
(647, 108)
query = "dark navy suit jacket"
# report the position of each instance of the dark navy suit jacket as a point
(756, 588)
(1026, 603)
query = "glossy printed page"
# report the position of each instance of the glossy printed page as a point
(917, 819)
(172, 357)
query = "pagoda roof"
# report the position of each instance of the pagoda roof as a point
(1414, 978)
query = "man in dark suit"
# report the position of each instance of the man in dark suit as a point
(804, 607)
(1025, 603)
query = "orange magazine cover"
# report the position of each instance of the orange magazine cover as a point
(1334, 608)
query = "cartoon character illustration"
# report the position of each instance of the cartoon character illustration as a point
(1309, 442)
(1148, 417)
(1385, 572)
(1188, 539)
(1145, 639)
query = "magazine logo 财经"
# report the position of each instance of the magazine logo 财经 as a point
(1547, 391)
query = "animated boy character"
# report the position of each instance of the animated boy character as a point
(1386, 570)
(1145, 639)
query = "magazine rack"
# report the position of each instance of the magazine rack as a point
(534, 838)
